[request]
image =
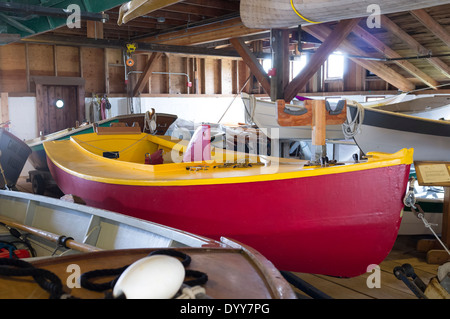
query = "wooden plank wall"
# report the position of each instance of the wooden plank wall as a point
(104, 71)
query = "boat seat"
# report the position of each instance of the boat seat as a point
(118, 124)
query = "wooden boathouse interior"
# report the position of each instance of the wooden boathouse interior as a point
(200, 53)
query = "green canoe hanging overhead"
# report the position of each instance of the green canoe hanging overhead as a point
(23, 18)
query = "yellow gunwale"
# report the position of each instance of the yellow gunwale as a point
(72, 158)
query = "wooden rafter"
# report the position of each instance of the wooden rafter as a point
(432, 25)
(388, 52)
(340, 32)
(386, 73)
(251, 61)
(414, 45)
(150, 66)
(224, 30)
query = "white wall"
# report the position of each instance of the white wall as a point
(23, 115)
(205, 109)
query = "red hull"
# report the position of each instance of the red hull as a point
(331, 224)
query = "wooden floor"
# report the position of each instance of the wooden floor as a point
(391, 288)
(404, 251)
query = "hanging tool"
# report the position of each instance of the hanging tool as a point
(131, 47)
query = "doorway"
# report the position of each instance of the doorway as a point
(60, 103)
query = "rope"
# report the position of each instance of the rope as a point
(352, 128)
(196, 292)
(46, 279)
(200, 277)
(421, 215)
(240, 91)
(410, 201)
(85, 283)
(428, 225)
(148, 122)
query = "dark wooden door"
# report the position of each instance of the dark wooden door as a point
(71, 91)
(59, 118)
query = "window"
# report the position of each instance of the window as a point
(374, 98)
(334, 67)
(298, 64)
(267, 64)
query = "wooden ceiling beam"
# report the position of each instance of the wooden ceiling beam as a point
(386, 73)
(388, 52)
(196, 10)
(149, 68)
(414, 45)
(330, 44)
(252, 62)
(224, 30)
(432, 25)
(216, 4)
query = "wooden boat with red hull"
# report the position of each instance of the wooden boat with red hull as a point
(335, 220)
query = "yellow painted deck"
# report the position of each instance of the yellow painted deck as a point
(81, 156)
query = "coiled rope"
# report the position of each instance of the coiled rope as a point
(52, 284)
(199, 277)
(45, 278)
(353, 127)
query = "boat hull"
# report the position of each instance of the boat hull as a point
(326, 224)
(13, 156)
(384, 131)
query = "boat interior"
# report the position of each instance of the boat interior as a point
(43, 228)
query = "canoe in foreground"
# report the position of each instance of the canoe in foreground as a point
(385, 131)
(332, 220)
(105, 240)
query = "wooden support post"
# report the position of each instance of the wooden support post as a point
(94, 30)
(147, 72)
(106, 62)
(340, 32)
(319, 124)
(315, 115)
(436, 254)
(4, 107)
(279, 39)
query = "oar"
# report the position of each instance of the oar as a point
(68, 242)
